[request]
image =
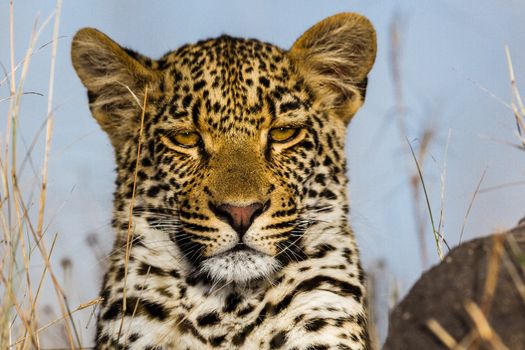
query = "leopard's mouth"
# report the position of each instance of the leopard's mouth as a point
(240, 247)
(239, 253)
(240, 264)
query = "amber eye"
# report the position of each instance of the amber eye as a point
(282, 135)
(186, 139)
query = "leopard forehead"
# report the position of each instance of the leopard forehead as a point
(230, 85)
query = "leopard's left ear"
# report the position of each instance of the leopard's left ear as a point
(334, 57)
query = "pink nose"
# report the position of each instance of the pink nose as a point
(240, 218)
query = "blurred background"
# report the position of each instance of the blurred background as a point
(440, 85)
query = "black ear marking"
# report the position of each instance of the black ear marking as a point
(361, 86)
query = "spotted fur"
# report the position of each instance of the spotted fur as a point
(181, 276)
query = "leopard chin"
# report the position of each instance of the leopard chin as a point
(239, 266)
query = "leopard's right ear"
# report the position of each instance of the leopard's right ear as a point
(116, 80)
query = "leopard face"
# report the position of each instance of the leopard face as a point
(240, 158)
(230, 148)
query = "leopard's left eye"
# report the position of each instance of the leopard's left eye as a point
(284, 134)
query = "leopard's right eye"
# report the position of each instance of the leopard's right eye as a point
(187, 138)
(182, 139)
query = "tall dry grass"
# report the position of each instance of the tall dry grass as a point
(26, 244)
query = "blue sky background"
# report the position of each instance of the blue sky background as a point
(454, 79)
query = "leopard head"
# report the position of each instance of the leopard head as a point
(231, 147)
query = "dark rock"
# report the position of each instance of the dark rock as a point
(443, 291)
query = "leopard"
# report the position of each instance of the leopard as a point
(231, 214)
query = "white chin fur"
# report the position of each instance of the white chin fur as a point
(239, 267)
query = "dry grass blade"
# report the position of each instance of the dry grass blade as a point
(471, 203)
(429, 208)
(129, 241)
(442, 334)
(501, 186)
(493, 269)
(137, 303)
(519, 110)
(517, 257)
(82, 306)
(49, 123)
(419, 217)
(483, 327)
(442, 192)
